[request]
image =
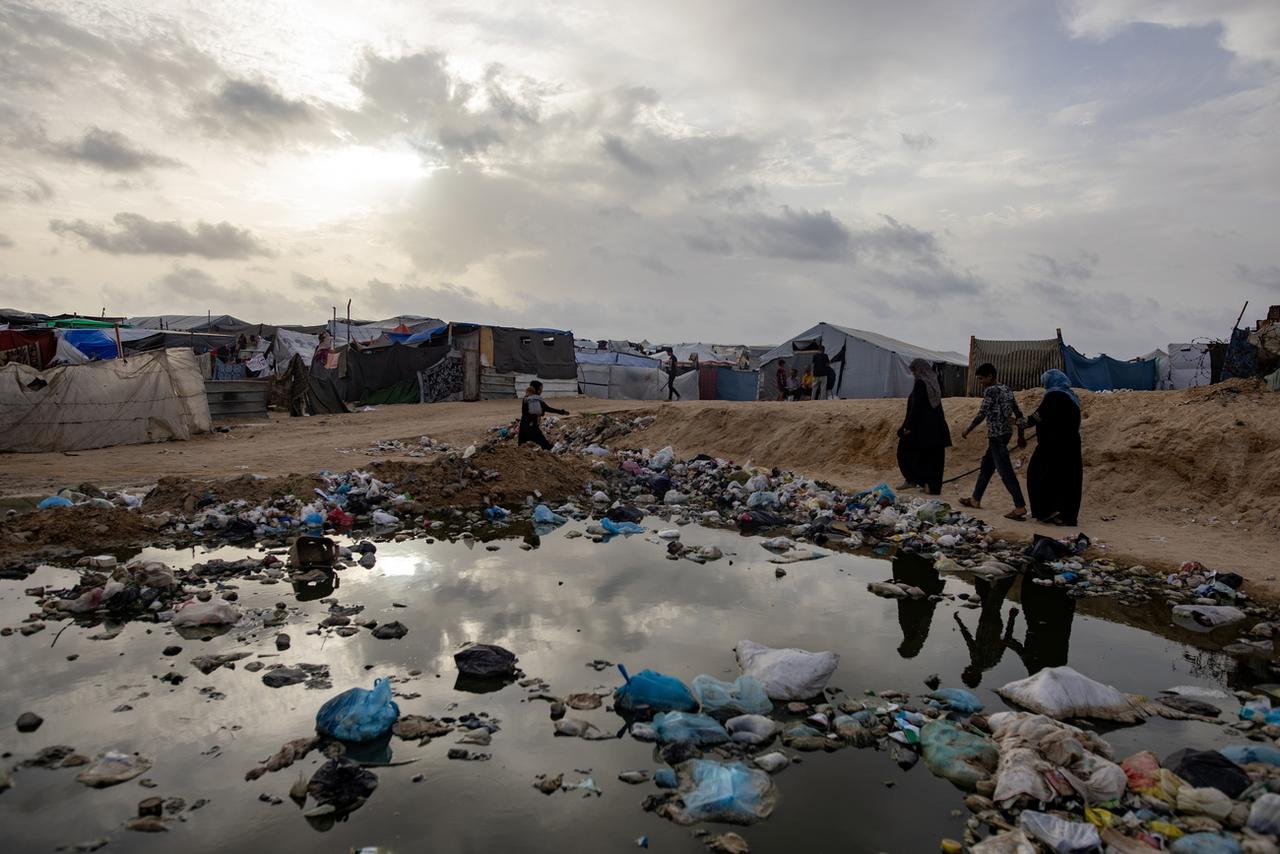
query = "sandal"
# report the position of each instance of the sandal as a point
(1016, 516)
(969, 502)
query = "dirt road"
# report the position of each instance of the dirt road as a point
(1170, 476)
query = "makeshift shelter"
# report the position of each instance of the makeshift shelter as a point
(620, 376)
(1019, 364)
(153, 397)
(223, 323)
(866, 364)
(1161, 359)
(1189, 365)
(287, 343)
(33, 347)
(1103, 373)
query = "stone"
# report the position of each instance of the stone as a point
(172, 650)
(390, 631)
(282, 676)
(548, 784)
(150, 806)
(283, 642)
(29, 722)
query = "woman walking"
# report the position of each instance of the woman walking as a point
(1055, 475)
(532, 408)
(924, 437)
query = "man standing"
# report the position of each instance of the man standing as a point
(821, 369)
(782, 379)
(1000, 410)
(673, 371)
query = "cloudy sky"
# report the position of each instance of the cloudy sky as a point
(716, 171)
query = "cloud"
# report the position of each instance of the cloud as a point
(1082, 266)
(1259, 277)
(6, 242)
(248, 107)
(624, 156)
(797, 235)
(111, 151)
(137, 235)
(917, 142)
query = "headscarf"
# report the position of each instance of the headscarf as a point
(1056, 380)
(924, 372)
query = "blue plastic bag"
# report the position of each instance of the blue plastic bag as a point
(649, 692)
(958, 755)
(686, 728)
(725, 792)
(1244, 753)
(543, 515)
(744, 696)
(53, 501)
(357, 714)
(958, 700)
(495, 514)
(620, 527)
(879, 492)
(1205, 843)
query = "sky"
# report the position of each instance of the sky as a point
(730, 172)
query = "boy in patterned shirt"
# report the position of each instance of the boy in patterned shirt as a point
(1000, 410)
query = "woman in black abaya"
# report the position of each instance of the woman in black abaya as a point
(1055, 475)
(924, 437)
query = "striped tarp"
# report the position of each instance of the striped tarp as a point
(1019, 364)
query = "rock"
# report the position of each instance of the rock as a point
(172, 650)
(485, 661)
(111, 767)
(150, 806)
(283, 642)
(206, 664)
(557, 711)
(583, 702)
(342, 784)
(146, 824)
(728, 843)
(282, 676)
(481, 737)
(549, 785)
(772, 762)
(390, 631)
(29, 722)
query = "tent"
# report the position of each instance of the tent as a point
(1103, 373)
(867, 364)
(1019, 364)
(1161, 358)
(1189, 365)
(193, 323)
(286, 343)
(153, 397)
(620, 376)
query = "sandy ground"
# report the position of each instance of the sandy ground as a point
(1170, 476)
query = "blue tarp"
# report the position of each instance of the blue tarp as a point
(732, 384)
(1105, 373)
(94, 343)
(1242, 357)
(424, 335)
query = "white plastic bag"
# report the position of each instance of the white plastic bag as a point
(1206, 618)
(1060, 835)
(1264, 815)
(662, 459)
(215, 612)
(787, 674)
(1009, 842)
(1062, 692)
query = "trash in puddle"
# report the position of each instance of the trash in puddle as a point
(786, 674)
(357, 714)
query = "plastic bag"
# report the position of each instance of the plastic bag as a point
(215, 612)
(1243, 754)
(674, 497)
(1264, 815)
(613, 527)
(744, 696)
(957, 755)
(485, 661)
(1060, 835)
(752, 730)
(1204, 801)
(649, 692)
(1205, 843)
(357, 714)
(763, 501)
(876, 494)
(543, 515)
(496, 514)
(730, 793)
(1206, 618)
(1009, 842)
(787, 674)
(958, 700)
(112, 767)
(1061, 692)
(1209, 768)
(53, 501)
(662, 459)
(383, 518)
(688, 728)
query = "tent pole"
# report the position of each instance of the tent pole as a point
(119, 346)
(348, 323)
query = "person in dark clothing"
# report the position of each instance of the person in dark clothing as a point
(1049, 612)
(987, 644)
(915, 616)
(1055, 475)
(782, 379)
(673, 371)
(821, 369)
(1000, 410)
(924, 436)
(532, 408)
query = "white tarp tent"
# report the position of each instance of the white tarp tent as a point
(620, 376)
(287, 343)
(1161, 358)
(151, 397)
(1189, 365)
(874, 365)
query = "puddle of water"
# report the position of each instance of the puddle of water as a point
(559, 606)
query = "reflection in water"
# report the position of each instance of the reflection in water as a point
(916, 615)
(986, 645)
(1049, 612)
(305, 591)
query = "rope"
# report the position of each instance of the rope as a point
(1031, 436)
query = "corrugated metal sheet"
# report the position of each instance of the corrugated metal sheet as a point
(1019, 364)
(237, 398)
